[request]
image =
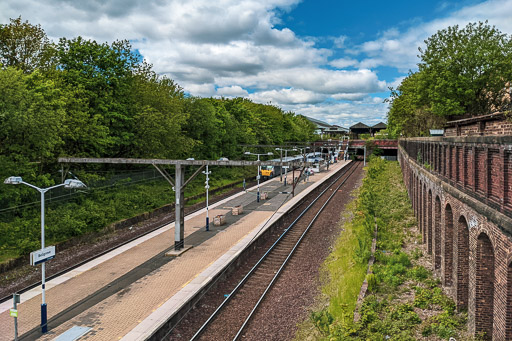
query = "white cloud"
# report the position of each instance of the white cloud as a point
(400, 49)
(342, 63)
(216, 48)
(328, 82)
(339, 42)
(350, 97)
(232, 91)
(288, 96)
(346, 114)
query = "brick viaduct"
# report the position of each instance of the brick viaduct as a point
(461, 192)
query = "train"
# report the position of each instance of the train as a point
(268, 172)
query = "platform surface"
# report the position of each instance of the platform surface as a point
(148, 294)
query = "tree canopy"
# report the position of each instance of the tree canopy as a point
(88, 99)
(463, 72)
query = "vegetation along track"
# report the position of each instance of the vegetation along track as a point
(232, 316)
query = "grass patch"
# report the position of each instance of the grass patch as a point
(404, 301)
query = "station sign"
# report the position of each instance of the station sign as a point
(42, 255)
(13, 312)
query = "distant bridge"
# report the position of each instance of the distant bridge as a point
(382, 144)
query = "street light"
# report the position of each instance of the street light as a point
(258, 177)
(285, 157)
(207, 186)
(69, 183)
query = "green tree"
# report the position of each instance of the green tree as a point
(466, 71)
(32, 112)
(104, 74)
(25, 46)
(159, 118)
(409, 113)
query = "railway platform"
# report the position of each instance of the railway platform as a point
(130, 292)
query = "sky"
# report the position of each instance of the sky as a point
(333, 60)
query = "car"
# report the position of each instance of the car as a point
(223, 159)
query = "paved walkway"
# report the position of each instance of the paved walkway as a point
(125, 292)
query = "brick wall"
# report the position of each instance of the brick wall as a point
(462, 194)
(493, 124)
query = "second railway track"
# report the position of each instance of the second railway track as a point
(232, 316)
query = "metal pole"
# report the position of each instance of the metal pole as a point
(179, 211)
(286, 169)
(364, 158)
(44, 313)
(15, 301)
(281, 172)
(207, 187)
(258, 178)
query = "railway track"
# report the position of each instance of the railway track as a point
(232, 316)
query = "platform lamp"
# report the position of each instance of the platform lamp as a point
(69, 183)
(259, 167)
(207, 186)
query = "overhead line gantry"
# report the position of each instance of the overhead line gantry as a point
(179, 182)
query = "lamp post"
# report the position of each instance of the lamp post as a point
(207, 186)
(345, 154)
(69, 183)
(258, 177)
(285, 158)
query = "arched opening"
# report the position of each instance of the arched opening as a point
(424, 215)
(448, 246)
(462, 264)
(508, 329)
(429, 221)
(413, 193)
(420, 208)
(417, 197)
(437, 233)
(484, 295)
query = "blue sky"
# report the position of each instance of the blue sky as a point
(331, 60)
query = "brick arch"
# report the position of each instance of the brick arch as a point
(420, 208)
(413, 191)
(437, 233)
(508, 326)
(448, 245)
(484, 294)
(415, 195)
(424, 216)
(490, 235)
(429, 221)
(462, 263)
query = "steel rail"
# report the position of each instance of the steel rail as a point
(253, 269)
(249, 317)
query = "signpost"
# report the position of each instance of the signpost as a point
(42, 255)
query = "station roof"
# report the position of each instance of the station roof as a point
(380, 125)
(359, 125)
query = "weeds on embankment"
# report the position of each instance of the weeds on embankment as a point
(404, 301)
